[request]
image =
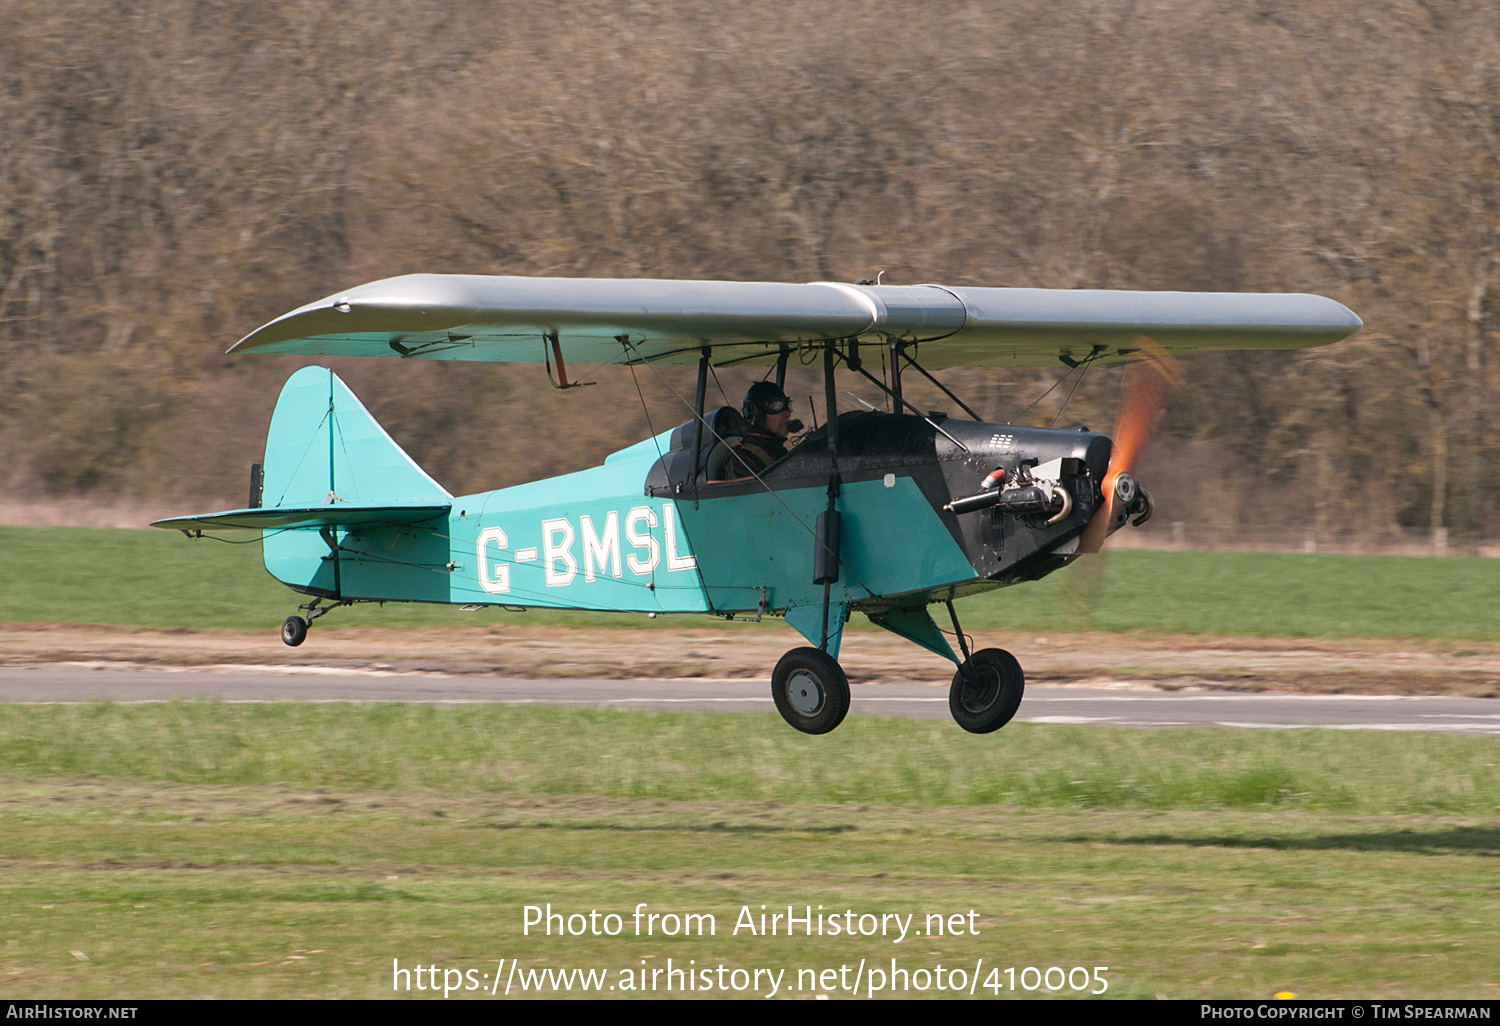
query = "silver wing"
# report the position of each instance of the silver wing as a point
(615, 320)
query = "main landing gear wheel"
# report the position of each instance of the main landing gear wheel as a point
(294, 631)
(810, 690)
(987, 691)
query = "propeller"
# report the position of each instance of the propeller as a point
(1150, 377)
(1149, 381)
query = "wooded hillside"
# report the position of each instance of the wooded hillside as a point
(173, 173)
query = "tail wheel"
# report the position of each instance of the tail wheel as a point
(987, 691)
(294, 631)
(810, 690)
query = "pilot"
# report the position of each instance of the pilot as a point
(768, 418)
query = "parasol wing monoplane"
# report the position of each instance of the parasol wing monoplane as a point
(878, 511)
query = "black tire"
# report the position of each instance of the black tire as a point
(294, 631)
(984, 698)
(810, 690)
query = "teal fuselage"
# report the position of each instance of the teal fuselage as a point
(593, 540)
(347, 516)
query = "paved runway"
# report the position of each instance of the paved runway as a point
(1042, 705)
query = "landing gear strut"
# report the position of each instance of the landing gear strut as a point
(294, 628)
(810, 690)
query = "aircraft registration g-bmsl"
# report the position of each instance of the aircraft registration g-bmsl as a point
(883, 512)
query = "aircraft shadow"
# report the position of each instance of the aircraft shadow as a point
(679, 828)
(1453, 841)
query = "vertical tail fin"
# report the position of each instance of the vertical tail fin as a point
(326, 452)
(325, 449)
(332, 474)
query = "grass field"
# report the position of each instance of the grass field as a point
(201, 849)
(541, 750)
(160, 579)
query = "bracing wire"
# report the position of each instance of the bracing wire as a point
(1084, 369)
(720, 387)
(1082, 363)
(644, 408)
(1039, 398)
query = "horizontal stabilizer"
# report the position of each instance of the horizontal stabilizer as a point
(310, 516)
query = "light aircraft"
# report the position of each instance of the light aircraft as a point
(883, 512)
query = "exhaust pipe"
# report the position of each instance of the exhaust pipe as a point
(1035, 498)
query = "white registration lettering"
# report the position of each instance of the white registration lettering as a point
(553, 554)
(669, 524)
(605, 550)
(493, 578)
(642, 541)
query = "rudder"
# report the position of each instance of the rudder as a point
(325, 448)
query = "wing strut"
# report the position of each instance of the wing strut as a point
(551, 342)
(797, 519)
(698, 415)
(825, 569)
(898, 349)
(923, 371)
(896, 395)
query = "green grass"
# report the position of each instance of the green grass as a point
(541, 750)
(1274, 595)
(190, 892)
(162, 580)
(199, 849)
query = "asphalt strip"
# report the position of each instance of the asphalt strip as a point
(1072, 706)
